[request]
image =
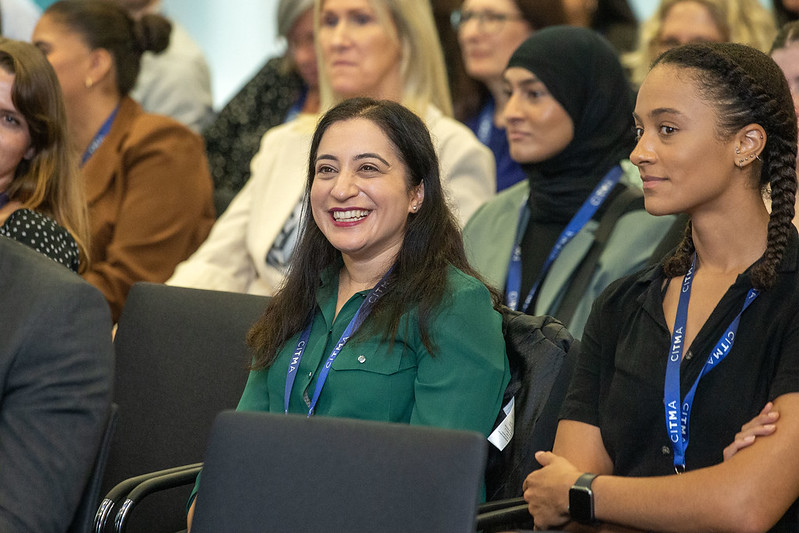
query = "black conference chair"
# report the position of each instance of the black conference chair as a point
(83, 520)
(272, 472)
(541, 356)
(181, 358)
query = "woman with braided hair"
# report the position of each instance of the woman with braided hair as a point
(687, 351)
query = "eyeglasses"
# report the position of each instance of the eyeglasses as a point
(487, 21)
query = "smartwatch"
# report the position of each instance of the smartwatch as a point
(581, 499)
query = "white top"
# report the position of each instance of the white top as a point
(233, 258)
(19, 18)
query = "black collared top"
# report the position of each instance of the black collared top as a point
(619, 379)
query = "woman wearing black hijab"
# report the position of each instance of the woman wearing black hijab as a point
(554, 241)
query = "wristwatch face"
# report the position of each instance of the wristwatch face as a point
(581, 501)
(580, 504)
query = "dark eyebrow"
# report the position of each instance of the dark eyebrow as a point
(326, 156)
(659, 111)
(531, 79)
(525, 83)
(372, 155)
(664, 111)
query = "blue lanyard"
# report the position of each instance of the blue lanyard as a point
(296, 107)
(485, 122)
(678, 414)
(99, 137)
(578, 221)
(360, 315)
(4, 199)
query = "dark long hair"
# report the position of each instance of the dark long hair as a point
(747, 87)
(431, 244)
(104, 24)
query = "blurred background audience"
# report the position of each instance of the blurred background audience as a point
(17, 19)
(148, 188)
(286, 86)
(679, 22)
(176, 81)
(785, 11)
(785, 52)
(613, 19)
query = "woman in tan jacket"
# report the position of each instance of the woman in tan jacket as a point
(148, 188)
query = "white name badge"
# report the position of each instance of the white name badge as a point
(501, 436)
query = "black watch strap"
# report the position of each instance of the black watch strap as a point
(581, 499)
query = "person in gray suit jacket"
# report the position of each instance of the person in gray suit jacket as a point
(56, 366)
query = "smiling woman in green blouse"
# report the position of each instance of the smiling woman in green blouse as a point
(381, 317)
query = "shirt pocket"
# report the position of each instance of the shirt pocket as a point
(375, 357)
(377, 379)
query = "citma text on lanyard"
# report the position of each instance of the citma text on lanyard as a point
(99, 137)
(679, 413)
(294, 364)
(578, 221)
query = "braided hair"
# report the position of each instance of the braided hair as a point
(747, 87)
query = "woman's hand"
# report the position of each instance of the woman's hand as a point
(546, 490)
(760, 426)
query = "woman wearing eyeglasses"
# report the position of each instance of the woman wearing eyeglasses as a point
(488, 32)
(678, 22)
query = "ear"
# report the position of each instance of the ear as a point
(417, 197)
(749, 143)
(100, 64)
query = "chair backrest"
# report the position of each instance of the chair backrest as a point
(541, 361)
(181, 358)
(274, 472)
(84, 516)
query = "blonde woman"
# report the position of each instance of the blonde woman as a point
(383, 49)
(678, 22)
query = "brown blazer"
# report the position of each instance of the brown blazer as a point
(150, 200)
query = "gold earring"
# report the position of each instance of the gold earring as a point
(88, 83)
